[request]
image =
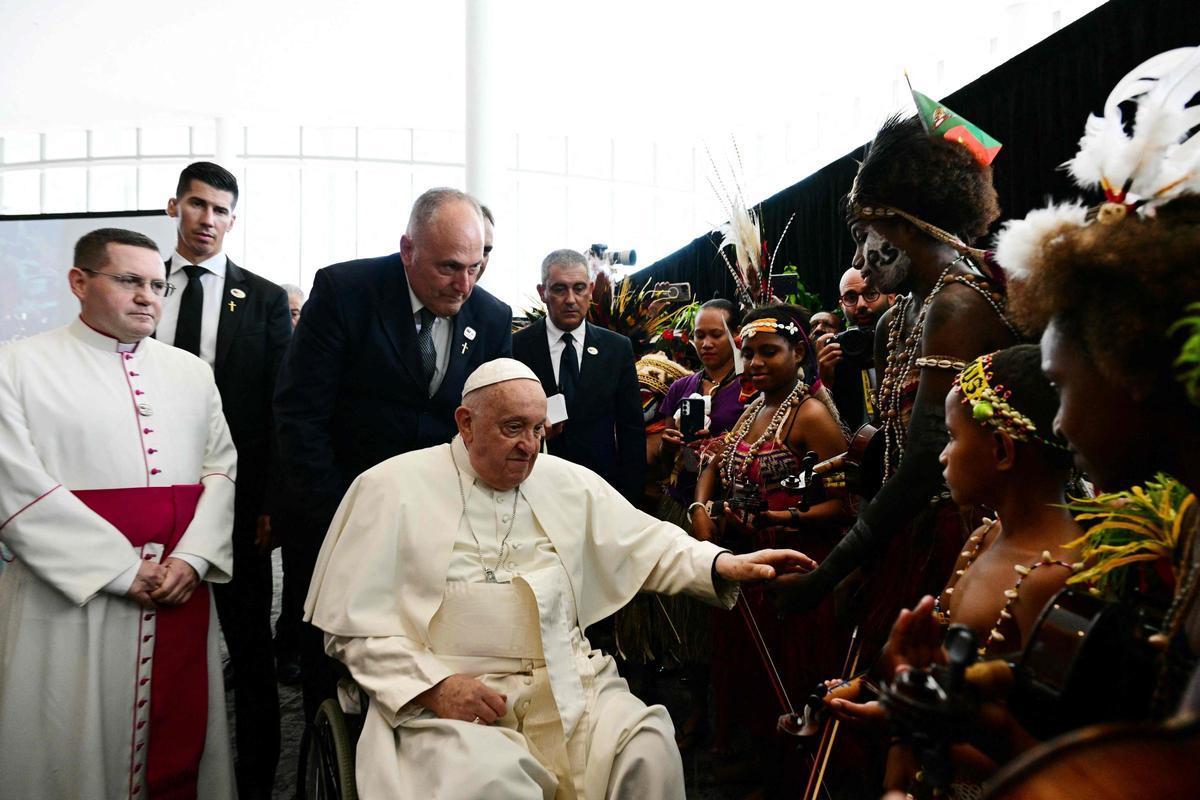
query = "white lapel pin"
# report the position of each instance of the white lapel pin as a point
(469, 332)
(465, 346)
(593, 351)
(238, 293)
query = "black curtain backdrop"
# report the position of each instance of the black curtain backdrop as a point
(1035, 104)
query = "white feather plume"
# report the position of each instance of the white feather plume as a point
(1155, 155)
(1020, 241)
(742, 231)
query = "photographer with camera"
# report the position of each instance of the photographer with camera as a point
(845, 359)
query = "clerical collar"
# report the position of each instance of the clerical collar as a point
(98, 339)
(216, 264)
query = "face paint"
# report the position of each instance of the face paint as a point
(886, 264)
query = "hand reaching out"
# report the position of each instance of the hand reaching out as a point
(761, 565)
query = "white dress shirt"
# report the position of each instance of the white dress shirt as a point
(442, 329)
(554, 337)
(213, 283)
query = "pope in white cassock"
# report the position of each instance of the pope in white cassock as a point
(455, 583)
(116, 504)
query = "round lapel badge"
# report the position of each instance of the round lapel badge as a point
(238, 293)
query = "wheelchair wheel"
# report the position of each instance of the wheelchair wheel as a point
(329, 756)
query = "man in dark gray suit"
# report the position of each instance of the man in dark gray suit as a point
(376, 368)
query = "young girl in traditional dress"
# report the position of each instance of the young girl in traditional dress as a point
(1002, 455)
(741, 504)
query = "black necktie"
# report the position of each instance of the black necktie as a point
(568, 369)
(425, 345)
(191, 309)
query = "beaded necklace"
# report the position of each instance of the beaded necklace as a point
(731, 473)
(903, 356)
(941, 606)
(900, 362)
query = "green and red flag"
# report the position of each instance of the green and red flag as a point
(941, 121)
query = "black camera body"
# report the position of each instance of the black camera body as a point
(746, 497)
(858, 346)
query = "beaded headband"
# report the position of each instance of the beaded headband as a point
(990, 404)
(768, 325)
(860, 211)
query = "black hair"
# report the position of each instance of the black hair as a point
(732, 312)
(91, 251)
(787, 312)
(784, 312)
(1019, 370)
(487, 213)
(932, 178)
(209, 173)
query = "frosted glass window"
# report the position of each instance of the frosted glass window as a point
(112, 189)
(337, 142)
(674, 168)
(633, 219)
(66, 144)
(156, 183)
(448, 147)
(589, 156)
(539, 153)
(21, 192)
(633, 161)
(589, 214)
(271, 224)
(114, 142)
(328, 233)
(541, 227)
(204, 140)
(65, 190)
(166, 141)
(21, 148)
(272, 140)
(384, 200)
(674, 223)
(425, 177)
(392, 144)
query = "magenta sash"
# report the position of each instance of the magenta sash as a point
(178, 648)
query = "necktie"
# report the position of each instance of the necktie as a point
(191, 309)
(425, 345)
(568, 369)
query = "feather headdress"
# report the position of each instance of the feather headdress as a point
(752, 260)
(1160, 158)
(1157, 161)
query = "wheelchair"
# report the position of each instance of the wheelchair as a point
(327, 751)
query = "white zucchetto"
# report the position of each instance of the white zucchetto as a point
(498, 370)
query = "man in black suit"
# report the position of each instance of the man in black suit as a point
(240, 324)
(594, 370)
(376, 368)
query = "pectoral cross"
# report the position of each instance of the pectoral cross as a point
(232, 306)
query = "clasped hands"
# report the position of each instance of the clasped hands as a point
(170, 583)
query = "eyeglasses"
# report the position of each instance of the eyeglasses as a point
(851, 298)
(134, 283)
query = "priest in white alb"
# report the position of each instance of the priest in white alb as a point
(116, 505)
(455, 583)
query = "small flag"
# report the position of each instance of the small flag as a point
(941, 121)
